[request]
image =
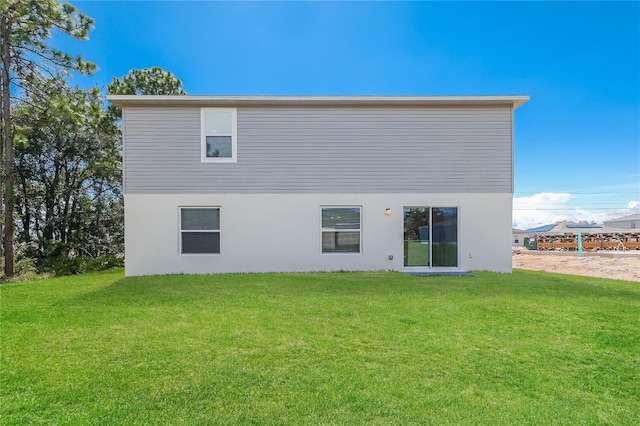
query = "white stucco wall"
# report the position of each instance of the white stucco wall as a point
(281, 232)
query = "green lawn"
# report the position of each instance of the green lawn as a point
(337, 348)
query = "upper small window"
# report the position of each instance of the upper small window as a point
(219, 127)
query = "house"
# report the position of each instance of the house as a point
(571, 228)
(518, 236)
(218, 184)
(627, 222)
(566, 227)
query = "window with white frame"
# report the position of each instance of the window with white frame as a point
(218, 134)
(341, 230)
(200, 230)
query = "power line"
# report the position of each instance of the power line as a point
(578, 193)
(574, 208)
(622, 206)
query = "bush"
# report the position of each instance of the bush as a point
(25, 270)
(59, 259)
(63, 259)
(81, 264)
(101, 263)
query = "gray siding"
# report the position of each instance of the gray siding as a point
(325, 150)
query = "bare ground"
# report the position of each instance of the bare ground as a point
(621, 268)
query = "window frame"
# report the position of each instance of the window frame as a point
(233, 134)
(323, 230)
(212, 231)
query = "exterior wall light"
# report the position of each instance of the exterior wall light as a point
(387, 212)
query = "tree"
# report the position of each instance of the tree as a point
(150, 81)
(68, 203)
(25, 27)
(68, 173)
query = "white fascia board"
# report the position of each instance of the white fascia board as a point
(203, 101)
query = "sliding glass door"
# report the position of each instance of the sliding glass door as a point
(430, 236)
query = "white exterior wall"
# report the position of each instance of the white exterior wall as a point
(282, 232)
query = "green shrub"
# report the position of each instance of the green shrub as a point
(62, 259)
(81, 264)
(101, 263)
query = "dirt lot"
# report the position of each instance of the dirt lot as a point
(623, 268)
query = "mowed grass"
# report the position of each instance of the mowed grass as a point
(330, 348)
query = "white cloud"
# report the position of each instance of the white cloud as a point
(549, 207)
(540, 209)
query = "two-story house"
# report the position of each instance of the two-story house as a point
(294, 183)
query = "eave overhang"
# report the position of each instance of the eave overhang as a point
(321, 101)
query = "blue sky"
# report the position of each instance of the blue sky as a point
(577, 141)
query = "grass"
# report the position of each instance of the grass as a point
(335, 348)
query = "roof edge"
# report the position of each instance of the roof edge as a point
(123, 100)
